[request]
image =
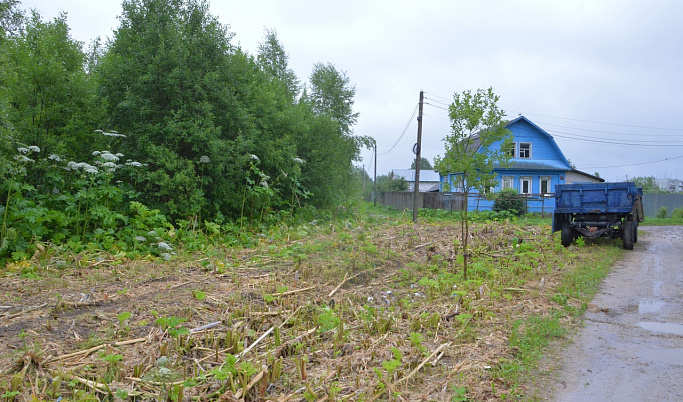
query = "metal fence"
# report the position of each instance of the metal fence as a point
(535, 202)
(653, 201)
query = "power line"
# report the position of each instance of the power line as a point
(606, 132)
(611, 140)
(597, 122)
(437, 96)
(632, 164)
(438, 101)
(405, 130)
(438, 107)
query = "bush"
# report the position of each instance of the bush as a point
(509, 200)
(677, 213)
(662, 212)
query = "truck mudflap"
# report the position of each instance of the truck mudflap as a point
(558, 219)
(637, 211)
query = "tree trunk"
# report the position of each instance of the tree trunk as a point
(466, 235)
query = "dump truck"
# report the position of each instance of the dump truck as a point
(592, 210)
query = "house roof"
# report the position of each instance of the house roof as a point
(600, 179)
(551, 140)
(476, 142)
(425, 175)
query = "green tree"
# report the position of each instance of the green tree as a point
(53, 100)
(328, 145)
(386, 183)
(424, 164)
(648, 183)
(332, 95)
(475, 145)
(275, 62)
(10, 17)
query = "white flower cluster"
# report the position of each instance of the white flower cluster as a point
(299, 161)
(55, 158)
(205, 159)
(25, 151)
(110, 134)
(82, 165)
(254, 157)
(107, 156)
(23, 158)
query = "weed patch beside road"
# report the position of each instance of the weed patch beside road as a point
(361, 309)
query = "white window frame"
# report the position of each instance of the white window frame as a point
(513, 154)
(520, 150)
(523, 180)
(548, 187)
(510, 180)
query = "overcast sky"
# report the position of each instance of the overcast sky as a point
(605, 78)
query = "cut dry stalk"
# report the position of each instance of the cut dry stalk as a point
(412, 373)
(253, 382)
(291, 292)
(95, 349)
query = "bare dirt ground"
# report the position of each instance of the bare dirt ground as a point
(367, 313)
(631, 348)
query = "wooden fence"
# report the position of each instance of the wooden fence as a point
(401, 200)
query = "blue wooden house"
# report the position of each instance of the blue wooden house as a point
(536, 165)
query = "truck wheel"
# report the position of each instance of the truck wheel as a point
(567, 236)
(627, 234)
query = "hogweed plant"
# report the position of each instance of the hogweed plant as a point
(48, 199)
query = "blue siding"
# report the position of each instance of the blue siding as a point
(547, 161)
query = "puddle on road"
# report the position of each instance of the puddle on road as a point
(662, 327)
(670, 356)
(650, 306)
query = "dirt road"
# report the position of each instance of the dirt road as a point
(631, 348)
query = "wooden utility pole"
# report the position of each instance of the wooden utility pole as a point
(375, 178)
(417, 149)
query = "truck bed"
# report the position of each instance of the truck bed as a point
(595, 198)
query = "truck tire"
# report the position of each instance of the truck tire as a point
(567, 235)
(628, 229)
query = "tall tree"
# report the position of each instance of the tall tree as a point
(175, 84)
(332, 95)
(10, 17)
(275, 62)
(476, 143)
(53, 99)
(424, 164)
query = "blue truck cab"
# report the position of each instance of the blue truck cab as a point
(598, 210)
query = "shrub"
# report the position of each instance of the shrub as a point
(509, 200)
(677, 213)
(662, 212)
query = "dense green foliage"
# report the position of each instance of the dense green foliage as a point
(205, 132)
(424, 164)
(649, 184)
(387, 183)
(511, 201)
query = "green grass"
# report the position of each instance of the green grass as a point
(661, 222)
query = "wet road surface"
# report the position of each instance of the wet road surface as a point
(632, 349)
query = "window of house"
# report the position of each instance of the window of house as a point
(545, 186)
(525, 185)
(525, 150)
(508, 182)
(512, 151)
